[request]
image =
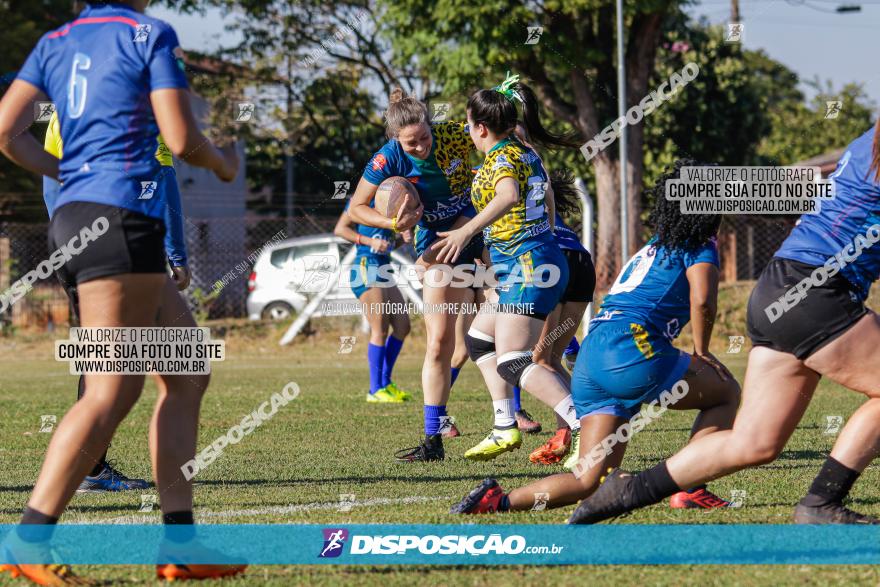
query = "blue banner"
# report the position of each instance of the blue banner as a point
(471, 544)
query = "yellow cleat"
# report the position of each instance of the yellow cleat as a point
(498, 442)
(573, 454)
(403, 395)
(383, 396)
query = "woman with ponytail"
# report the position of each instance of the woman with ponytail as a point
(435, 158)
(514, 199)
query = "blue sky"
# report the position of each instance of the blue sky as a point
(805, 35)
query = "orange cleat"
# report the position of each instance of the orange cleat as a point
(50, 575)
(179, 572)
(554, 450)
(700, 498)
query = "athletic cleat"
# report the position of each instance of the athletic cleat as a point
(431, 449)
(613, 498)
(51, 575)
(575, 450)
(109, 479)
(496, 443)
(448, 429)
(180, 571)
(831, 513)
(485, 499)
(699, 498)
(383, 396)
(526, 423)
(553, 451)
(403, 395)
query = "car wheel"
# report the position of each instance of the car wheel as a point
(277, 311)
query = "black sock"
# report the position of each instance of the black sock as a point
(504, 503)
(653, 485)
(35, 526)
(179, 526)
(831, 485)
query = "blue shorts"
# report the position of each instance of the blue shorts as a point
(424, 237)
(523, 290)
(365, 273)
(622, 366)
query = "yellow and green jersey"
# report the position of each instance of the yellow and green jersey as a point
(526, 225)
(54, 145)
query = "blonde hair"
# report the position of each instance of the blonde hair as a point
(403, 111)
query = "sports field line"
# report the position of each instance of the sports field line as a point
(206, 516)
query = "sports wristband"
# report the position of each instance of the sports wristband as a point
(394, 224)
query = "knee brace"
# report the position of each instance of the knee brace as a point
(511, 366)
(480, 346)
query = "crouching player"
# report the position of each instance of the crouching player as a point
(628, 360)
(827, 331)
(372, 289)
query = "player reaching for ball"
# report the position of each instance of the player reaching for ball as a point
(827, 265)
(628, 360)
(509, 192)
(434, 158)
(372, 287)
(109, 125)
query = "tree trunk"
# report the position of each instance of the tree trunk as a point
(607, 242)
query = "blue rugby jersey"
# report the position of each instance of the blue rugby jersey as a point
(99, 71)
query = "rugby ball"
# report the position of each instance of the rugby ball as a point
(391, 194)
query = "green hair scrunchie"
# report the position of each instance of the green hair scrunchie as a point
(506, 88)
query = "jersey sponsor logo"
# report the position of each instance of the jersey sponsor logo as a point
(453, 165)
(501, 162)
(640, 337)
(379, 162)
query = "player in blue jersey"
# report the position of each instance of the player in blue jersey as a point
(372, 281)
(434, 157)
(806, 318)
(628, 360)
(115, 77)
(513, 197)
(104, 476)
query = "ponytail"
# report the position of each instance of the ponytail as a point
(565, 194)
(532, 121)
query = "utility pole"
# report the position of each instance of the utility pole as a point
(735, 16)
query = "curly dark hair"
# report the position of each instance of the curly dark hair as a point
(565, 193)
(671, 228)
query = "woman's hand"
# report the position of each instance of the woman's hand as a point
(378, 245)
(180, 276)
(409, 214)
(229, 169)
(451, 244)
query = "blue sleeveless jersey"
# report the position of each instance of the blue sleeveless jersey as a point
(99, 71)
(843, 223)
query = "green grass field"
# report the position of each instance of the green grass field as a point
(330, 442)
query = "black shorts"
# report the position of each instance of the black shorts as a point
(581, 277)
(99, 240)
(799, 324)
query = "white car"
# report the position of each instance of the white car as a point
(289, 274)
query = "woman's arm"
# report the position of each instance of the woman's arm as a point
(703, 281)
(181, 133)
(360, 211)
(16, 116)
(506, 197)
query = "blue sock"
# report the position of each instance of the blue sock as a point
(392, 349)
(516, 405)
(376, 359)
(455, 373)
(573, 346)
(432, 418)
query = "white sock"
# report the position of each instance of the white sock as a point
(504, 417)
(566, 411)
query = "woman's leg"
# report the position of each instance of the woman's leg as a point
(400, 326)
(86, 430)
(175, 423)
(462, 325)
(378, 322)
(565, 488)
(716, 398)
